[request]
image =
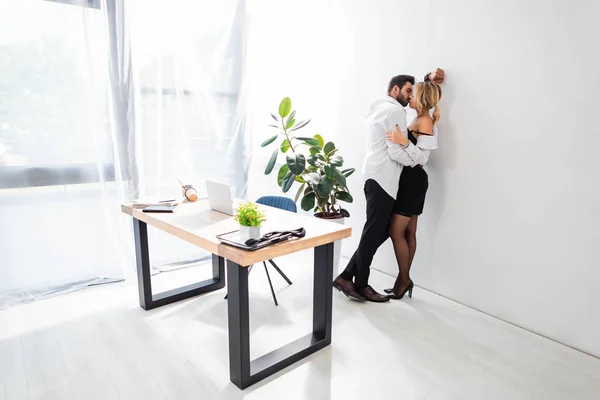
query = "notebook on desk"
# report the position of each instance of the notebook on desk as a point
(155, 201)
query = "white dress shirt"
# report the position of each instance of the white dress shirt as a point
(384, 160)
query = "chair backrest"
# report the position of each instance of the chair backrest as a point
(283, 203)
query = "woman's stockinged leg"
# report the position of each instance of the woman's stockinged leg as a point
(411, 239)
(398, 227)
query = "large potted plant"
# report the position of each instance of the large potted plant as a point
(311, 162)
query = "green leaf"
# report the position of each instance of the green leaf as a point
(288, 181)
(324, 187)
(344, 196)
(312, 160)
(268, 141)
(328, 147)
(301, 125)
(313, 178)
(248, 214)
(271, 162)
(320, 139)
(292, 115)
(314, 150)
(274, 117)
(285, 107)
(337, 161)
(296, 162)
(300, 179)
(329, 171)
(299, 192)
(309, 141)
(348, 172)
(320, 156)
(285, 145)
(290, 123)
(322, 202)
(282, 173)
(332, 152)
(338, 176)
(308, 202)
(345, 213)
(274, 126)
(308, 190)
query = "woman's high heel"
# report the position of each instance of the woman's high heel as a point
(395, 296)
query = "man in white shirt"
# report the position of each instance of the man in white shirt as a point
(381, 172)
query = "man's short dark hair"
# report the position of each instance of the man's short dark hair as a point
(400, 81)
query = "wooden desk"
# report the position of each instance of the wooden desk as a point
(196, 223)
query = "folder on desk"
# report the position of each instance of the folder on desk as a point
(234, 239)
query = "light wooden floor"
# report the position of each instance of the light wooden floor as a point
(98, 344)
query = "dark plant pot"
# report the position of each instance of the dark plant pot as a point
(322, 215)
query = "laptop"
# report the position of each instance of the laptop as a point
(219, 198)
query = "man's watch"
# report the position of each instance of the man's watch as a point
(427, 77)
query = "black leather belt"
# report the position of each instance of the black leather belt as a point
(266, 240)
(276, 237)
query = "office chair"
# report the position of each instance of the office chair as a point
(282, 203)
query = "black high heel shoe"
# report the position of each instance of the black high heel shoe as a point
(391, 290)
(395, 296)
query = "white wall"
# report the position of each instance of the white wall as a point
(511, 225)
(291, 51)
(511, 221)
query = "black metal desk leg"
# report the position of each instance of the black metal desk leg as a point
(148, 300)
(239, 324)
(243, 371)
(322, 292)
(218, 267)
(142, 257)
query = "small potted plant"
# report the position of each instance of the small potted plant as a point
(250, 218)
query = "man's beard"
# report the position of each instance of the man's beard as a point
(400, 98)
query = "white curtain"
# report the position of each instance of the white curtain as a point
(102, 102)
(187, 63)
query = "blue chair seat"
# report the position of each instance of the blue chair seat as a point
(283, 203)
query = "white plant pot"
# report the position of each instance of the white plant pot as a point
(249, 232)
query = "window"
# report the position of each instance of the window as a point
(54, 125)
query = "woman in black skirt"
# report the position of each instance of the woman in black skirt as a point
(410, 200)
